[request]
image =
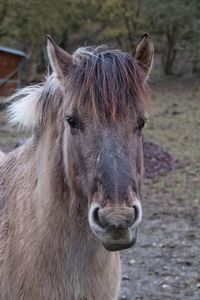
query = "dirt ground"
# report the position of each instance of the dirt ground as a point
(165, 262)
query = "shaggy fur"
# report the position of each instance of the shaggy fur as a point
(43, 255)
(47, 250)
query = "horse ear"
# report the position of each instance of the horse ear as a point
(60, 60)
(144, 53)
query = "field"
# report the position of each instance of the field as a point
(165, 263)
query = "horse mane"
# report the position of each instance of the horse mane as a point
(29, 105)
(108, 83)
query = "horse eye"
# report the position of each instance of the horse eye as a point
(72, 122)
(141, 124)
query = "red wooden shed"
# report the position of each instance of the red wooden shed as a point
(11, 68)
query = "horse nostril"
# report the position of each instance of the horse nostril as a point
(96, 217)
(137, 214)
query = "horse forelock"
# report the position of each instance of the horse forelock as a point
(108, 83)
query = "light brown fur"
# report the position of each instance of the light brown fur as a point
(43, 255)
(47, 248)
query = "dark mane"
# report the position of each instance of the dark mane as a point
(108, 84)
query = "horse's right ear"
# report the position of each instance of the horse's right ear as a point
(61, 61)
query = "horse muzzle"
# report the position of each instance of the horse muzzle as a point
(115, 227)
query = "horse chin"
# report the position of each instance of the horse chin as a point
(117, 245)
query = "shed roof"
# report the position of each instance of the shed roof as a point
(13, 51)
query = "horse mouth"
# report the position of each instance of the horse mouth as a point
(112, 243)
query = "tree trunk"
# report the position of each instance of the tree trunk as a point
(169, 53)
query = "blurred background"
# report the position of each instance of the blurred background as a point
(165, 264)
(174, 25)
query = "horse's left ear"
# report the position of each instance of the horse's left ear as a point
(144, 53)
(60, 60)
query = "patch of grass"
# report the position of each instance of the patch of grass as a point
(175, 125)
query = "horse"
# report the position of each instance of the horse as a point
(70, 197)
